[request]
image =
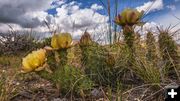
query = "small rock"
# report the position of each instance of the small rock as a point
(96, 93)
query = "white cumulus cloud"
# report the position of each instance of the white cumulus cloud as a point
(25, 15)
(151, 6)
(70, 18)
(172, 7)
(149, 26)
(96, 7)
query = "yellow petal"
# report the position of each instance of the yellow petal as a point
(54, 42)
(41, 55)
(34, 61)
(129, 16)
(26, 66)
(136, 17)
(125, 12)
(64, 40)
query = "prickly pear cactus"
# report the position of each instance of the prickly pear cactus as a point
(52, 66)
(129, 36)
(93, 61)
(127, 19)
(96, 62)
(168, 49)
(56, 69)
(57, 56)
(167, 46)
(151, 48)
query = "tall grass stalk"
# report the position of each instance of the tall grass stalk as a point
(115, 26)
(146, 71)
(110, 22)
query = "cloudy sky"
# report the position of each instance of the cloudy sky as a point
(75, 16)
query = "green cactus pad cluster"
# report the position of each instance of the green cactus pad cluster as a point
(98, 63)
(67, 78)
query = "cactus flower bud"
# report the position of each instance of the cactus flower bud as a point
(129, 17)
(85, 39)
(110, 60)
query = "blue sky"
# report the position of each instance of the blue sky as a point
(122, 4)
(76, 16)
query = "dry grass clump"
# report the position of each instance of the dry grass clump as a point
(13, 61)
(8, 86)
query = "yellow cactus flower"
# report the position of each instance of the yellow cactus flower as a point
(64, 40)
(129, 17)
(61, 41)
(34, 60)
